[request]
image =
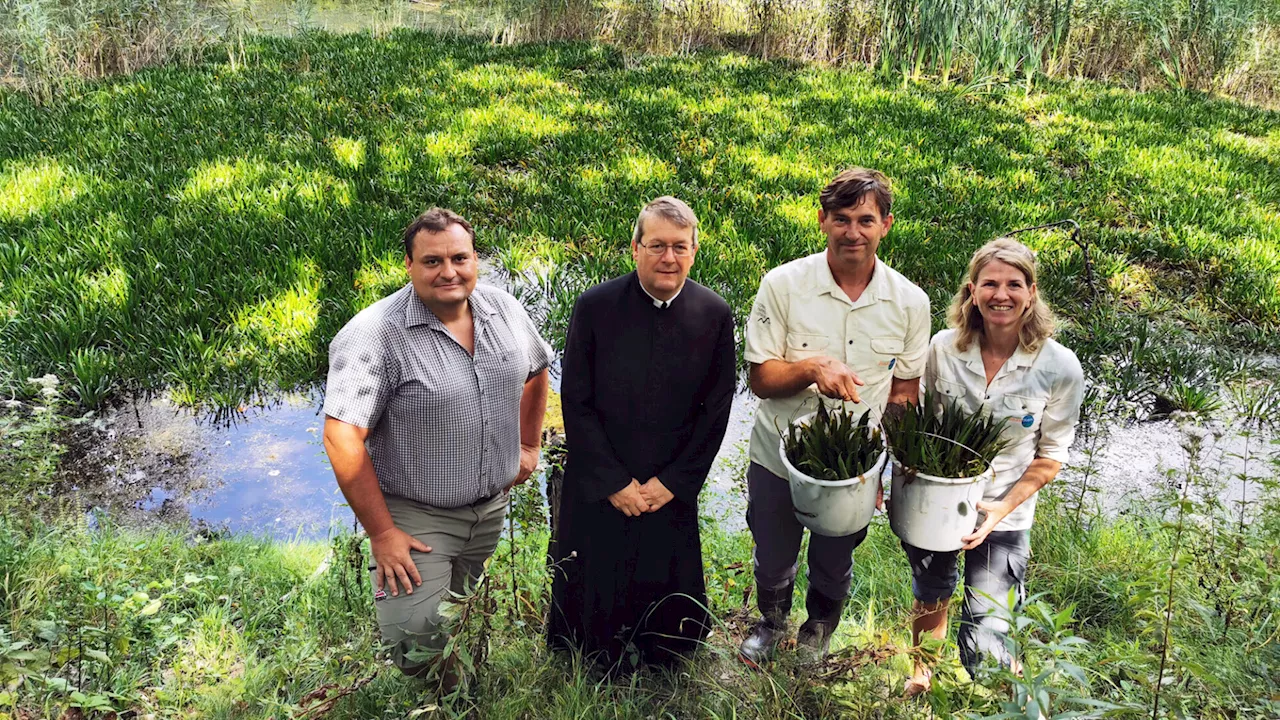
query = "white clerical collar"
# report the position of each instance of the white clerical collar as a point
(660, 304)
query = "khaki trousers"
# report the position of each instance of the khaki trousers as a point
(461, 540)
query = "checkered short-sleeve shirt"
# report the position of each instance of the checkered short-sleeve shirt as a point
(444, 426)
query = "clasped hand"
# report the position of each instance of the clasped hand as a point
(636, 499)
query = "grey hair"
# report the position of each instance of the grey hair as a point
(669, 208)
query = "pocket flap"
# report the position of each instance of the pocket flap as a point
(887, 345)
(1023, 404)
(806, 342)
(950, 389)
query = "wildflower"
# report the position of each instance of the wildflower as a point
(12, 404)
(46, 381)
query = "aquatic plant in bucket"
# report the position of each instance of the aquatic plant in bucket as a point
(833, 464)
(941, 460)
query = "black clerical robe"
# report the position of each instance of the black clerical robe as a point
(646, 393)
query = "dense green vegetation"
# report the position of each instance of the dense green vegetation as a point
(209, 230)
(170, 623)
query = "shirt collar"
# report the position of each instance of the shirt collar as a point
(417, 313)
(656, 302)
(826, 283)
(973, 358)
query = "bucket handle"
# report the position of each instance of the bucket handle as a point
(911, 474)
(823, 400)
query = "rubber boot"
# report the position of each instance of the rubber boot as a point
(814, 639)
(775, 606)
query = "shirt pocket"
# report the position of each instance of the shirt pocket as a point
(949, 391)
(1024, 413)
(805, 345)
(875, 360)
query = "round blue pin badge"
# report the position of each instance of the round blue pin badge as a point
(1028, 421)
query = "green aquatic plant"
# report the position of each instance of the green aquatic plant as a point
(832, 445)
(948, 442)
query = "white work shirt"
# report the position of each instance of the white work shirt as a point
(800, 312)
(1037, 394)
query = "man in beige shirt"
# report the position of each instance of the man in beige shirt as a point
(843, 325)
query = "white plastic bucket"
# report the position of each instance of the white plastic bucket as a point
(933, 513)
(834, 508)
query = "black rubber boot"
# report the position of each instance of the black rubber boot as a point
(775, 606)
(814, 638)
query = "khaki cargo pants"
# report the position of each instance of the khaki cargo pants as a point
(461, 539)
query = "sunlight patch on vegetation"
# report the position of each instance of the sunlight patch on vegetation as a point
(38, 187)
(378, 278)
(286, 320)
(256, 186)
(641, 168)
(108, 287)
(503, 79)
(348, 152)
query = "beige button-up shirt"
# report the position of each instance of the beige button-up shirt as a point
(800, 312)
(1038, 395)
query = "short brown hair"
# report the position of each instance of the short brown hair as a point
(435, 220)
(850, 186)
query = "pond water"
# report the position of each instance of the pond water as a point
(266, 472)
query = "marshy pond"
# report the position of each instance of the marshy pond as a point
(264, 471)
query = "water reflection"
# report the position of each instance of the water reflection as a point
(264, 471)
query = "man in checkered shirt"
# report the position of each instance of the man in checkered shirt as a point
(434, 409)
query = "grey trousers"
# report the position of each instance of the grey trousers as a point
(461, 539)
(777, 535)
(994, 576)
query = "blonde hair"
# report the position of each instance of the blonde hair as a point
(1037, 320)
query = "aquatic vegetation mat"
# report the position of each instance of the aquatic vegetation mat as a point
(209, 228)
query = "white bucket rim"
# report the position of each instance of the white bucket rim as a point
(876, 468)
(980, 477)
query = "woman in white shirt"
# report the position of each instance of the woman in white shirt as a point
(997, 356)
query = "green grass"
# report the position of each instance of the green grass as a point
(209, 230)
(175, 625)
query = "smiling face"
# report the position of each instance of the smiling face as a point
(854, 233)
(443, 266)
(1001, 295)
(663, 275)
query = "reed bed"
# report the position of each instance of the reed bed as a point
(1222, 46)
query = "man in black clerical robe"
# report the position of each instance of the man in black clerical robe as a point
(648, 380)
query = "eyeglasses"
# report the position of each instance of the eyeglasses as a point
(660, 249)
